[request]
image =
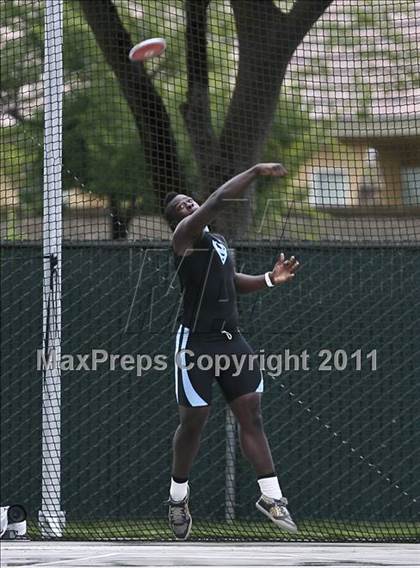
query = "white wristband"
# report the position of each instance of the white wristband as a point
(268, 280)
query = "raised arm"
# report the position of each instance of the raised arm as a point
(283, 271)
(191, 228)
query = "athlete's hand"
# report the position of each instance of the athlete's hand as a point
(275, 170)
(284, 270)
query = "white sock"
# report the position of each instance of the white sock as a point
(178, 491)
(270, 487)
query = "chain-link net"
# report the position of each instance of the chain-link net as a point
(329, 88)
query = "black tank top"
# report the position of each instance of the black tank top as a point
(207, 283)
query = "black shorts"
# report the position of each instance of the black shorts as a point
(201, 358)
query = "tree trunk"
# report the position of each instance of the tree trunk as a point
(151, 118)
(196, 109)
(120, 219)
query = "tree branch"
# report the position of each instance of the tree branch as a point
(267, 39)
(263, 58)
(196, 109)
(151, 117)
(304, 14)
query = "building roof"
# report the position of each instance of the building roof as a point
(376, 128)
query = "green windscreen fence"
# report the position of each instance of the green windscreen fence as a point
(90, 301)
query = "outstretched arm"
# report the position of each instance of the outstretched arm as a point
(190, 228)
(283, 271)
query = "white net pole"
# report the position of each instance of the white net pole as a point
(230, 471)
(51, 517)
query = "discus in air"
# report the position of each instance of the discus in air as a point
(147, 49)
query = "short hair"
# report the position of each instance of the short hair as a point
(169, 197)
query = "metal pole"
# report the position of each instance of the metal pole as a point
(230, 472)
(51, 517)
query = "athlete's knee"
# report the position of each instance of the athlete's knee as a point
(194, 419)
(248, 413)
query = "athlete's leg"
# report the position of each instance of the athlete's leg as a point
(187, 437)
(193, 393)
(254, 443)
(186, 443)
(243, 393)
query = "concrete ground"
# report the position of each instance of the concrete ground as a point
(113, 554)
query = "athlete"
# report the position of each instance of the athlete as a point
(209, 325)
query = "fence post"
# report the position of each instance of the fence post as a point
(230, 472)
(51, 518)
